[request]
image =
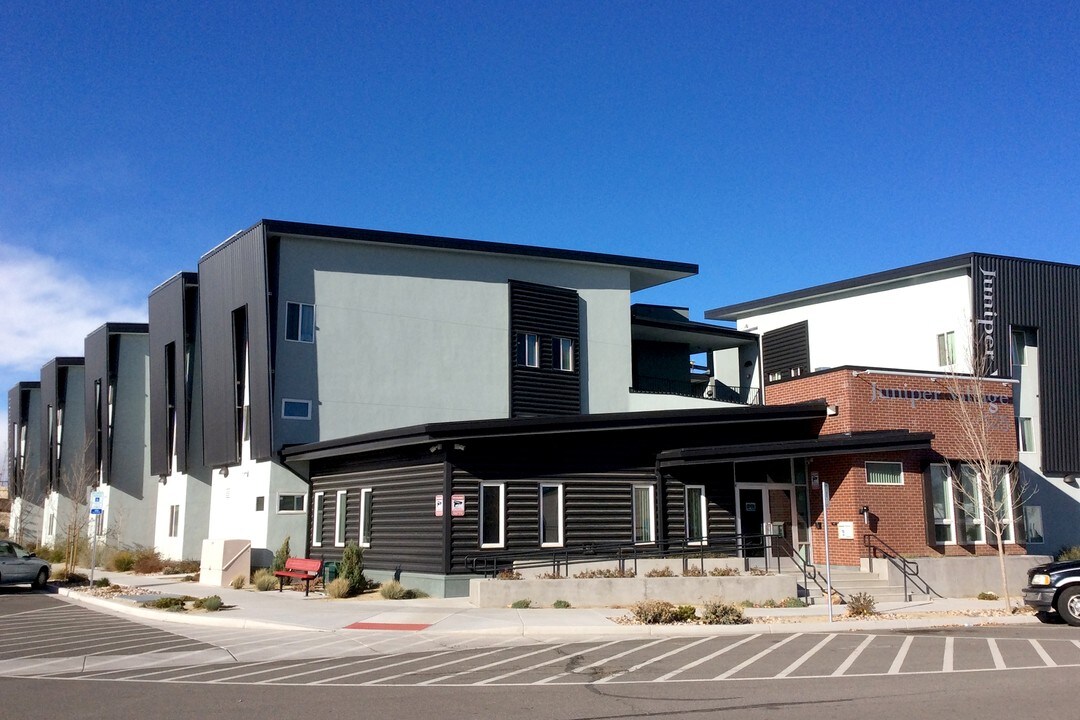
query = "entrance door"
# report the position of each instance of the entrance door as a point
(752, 514)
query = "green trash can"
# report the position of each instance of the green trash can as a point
(329, 572)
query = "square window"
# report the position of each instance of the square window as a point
(551, 516)
(291, 503)
(317, 520)
(562, 354)
(296, 409)
(1026, 432)
(528, 350)
(492, 514)
(644, 511)
(299, 322)
(884, 473)
(365, 517)
(946, 348)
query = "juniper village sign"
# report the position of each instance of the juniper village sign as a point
(993, 401)
(985, 322)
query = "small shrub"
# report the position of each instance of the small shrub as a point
(414, 594)
(560, 604)
(660, 572)
(550, 576)
(264, 580)
(988, 596)
(210, 603)
(75, 578)
(508, 575)
(238, 582)
(102, 582)
(181, 567)
(604, 573)
(123, 561)
(792, 602)
(1069, 553)
(758, 572)
(521, 604)
(693, 571)
(718, 612)
(861, 605)
(351, 568)
(392, 590)
(770, 603)
(167, 603)
(747, 603)
(723, 572)
(190, 578)
(281, 556)
(148, 561)
(338, 588)
(661, 612)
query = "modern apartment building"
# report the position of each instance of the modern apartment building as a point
(26, 488)
(65, 476)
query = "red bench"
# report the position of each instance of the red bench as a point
(299, 569)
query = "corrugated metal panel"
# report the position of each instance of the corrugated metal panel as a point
(719, 483)
(548, 312)
(173, 313)
(234, 277)
(1044, 297)
(405, 533)
(786, 352)
(96, 351)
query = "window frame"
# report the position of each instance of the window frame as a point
(949, 504)
(977, 502)
(366, 495)
(946, 346)
(635, 511)
(528, 343)
(305, 403)
(866, 468)
(317, 512)
(1025, 434)
(293, 495)
(1031, 511)
(560, 519)
(301, 337)
(1009, 521)
(174, 521)
(341, 512)
(702, 512)
(562, 354)
(482, 515)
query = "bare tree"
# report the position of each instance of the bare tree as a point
(76, 484)
(988, 486)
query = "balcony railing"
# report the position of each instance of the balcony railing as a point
(697, 386)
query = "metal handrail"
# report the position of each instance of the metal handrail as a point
(908, 568)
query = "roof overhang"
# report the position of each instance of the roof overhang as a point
(885, 441)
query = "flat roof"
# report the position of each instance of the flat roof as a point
(644, 272)
(875, 441)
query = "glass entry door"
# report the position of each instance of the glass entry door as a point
(766, 510)
(752, 514)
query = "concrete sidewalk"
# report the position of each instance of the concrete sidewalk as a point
(290, 610)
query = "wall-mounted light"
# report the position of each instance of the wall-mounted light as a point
(832, 410)
(865, 514)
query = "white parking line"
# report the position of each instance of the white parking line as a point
(376, 681)
(650, 661)
(1049, 661)
(352, 662)
(751, 661)
(947, 657)
(545, 663)
(213, 670)
(707, 658)
(600, 662)
(471, 671)
(806, 656)
(381, 667)
(844, 666)
(234, 678)
(995, 652)
(899, 660)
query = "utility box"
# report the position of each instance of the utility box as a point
(329, 573)
(223, 560)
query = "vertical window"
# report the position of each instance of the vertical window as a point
(1019, 351)
(971, 503)
(174, 520)
(316, 519)
(340, 517)
(260, 502)
(300, 322)
(696, 515)
(1027, 434)
(1002, 505)
(884, 473)
(644, 511)
(170, 403)
(562, 353)
(1033, 524)
(942, 498)
(528, 350)
(492, 514)
(365, 517)
(240, 363)
(551, 515)
(946, 348)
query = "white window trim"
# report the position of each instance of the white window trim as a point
(531, 341)
(950, 503)
(305, 403)
(559, 488)
(703, 511)
(947, 343)
(302, 510)
(365, 503)
(866, 469)
(980, 520)
(652, 513)
(174, 521)
(1023, 446)
(341, 506)
(317, 519)
(300, 326)
(1010, 514)
(564, 355)
(501, 511)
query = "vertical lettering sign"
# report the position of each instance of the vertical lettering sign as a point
(986, 313)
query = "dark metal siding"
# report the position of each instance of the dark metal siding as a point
(234, 276)
(98, 364)
(1046, 297)
(719, 483)
(24, 481)
(405, 533)
(548, 312)
(786, 351)
(172, 317)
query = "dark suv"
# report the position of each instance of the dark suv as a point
(1055, 587)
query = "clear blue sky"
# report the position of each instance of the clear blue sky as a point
(776, 144)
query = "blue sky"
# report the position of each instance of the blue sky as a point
(776, 144)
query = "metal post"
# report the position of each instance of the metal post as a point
(825, 521)
(93, 548)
